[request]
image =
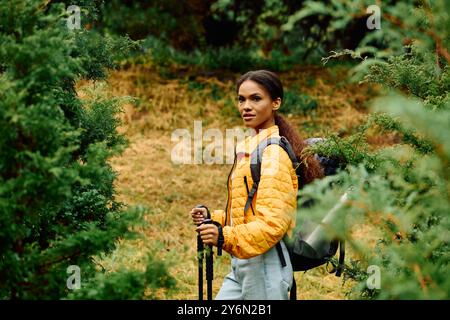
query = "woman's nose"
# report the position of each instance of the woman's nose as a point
(247, 106)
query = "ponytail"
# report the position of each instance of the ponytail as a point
(310, 168)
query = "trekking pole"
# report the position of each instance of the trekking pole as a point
(200, 266)
(209, 271)
(209, 257)
(200, 257)
(209, 265)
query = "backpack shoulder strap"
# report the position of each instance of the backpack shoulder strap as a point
(256, 159)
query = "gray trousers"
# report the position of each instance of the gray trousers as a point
(258, 278)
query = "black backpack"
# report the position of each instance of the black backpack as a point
(309, 247)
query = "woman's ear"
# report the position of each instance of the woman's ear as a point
(276, 104)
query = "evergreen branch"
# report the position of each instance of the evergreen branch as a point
(431, 33)
(337, 54)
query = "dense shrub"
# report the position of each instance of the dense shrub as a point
(401, 191)
(57, 197)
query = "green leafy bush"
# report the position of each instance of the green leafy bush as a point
(57, 197)
(401, 191)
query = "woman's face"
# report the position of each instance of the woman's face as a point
(256, 105)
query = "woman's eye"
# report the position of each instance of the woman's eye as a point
(256, 98)
(240, 100)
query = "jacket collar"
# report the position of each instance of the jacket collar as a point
(250, 143)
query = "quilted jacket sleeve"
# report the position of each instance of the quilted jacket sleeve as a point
(219, 216)
(275, 208)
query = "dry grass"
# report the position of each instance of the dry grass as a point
(147, 176)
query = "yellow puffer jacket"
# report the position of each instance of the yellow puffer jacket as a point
(274, 204)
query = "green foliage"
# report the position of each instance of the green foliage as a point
(418, 74)
(297, 103)
(57, 198)
(402, 191)
(354, 149)
(407, 202)
(413, 38)
(351, 150)
(167, 59)
(274, 34)
(127, 284)
(386, 123)
(261, 24)
(179, 23)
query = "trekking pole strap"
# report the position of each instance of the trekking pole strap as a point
(220, 240)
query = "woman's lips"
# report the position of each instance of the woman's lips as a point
(248, 117)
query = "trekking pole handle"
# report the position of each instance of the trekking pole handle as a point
(208, 214)
(219, 227)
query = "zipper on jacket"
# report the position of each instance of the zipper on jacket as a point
(228, 186)
(248, 191)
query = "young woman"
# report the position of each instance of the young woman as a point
(251, 237)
